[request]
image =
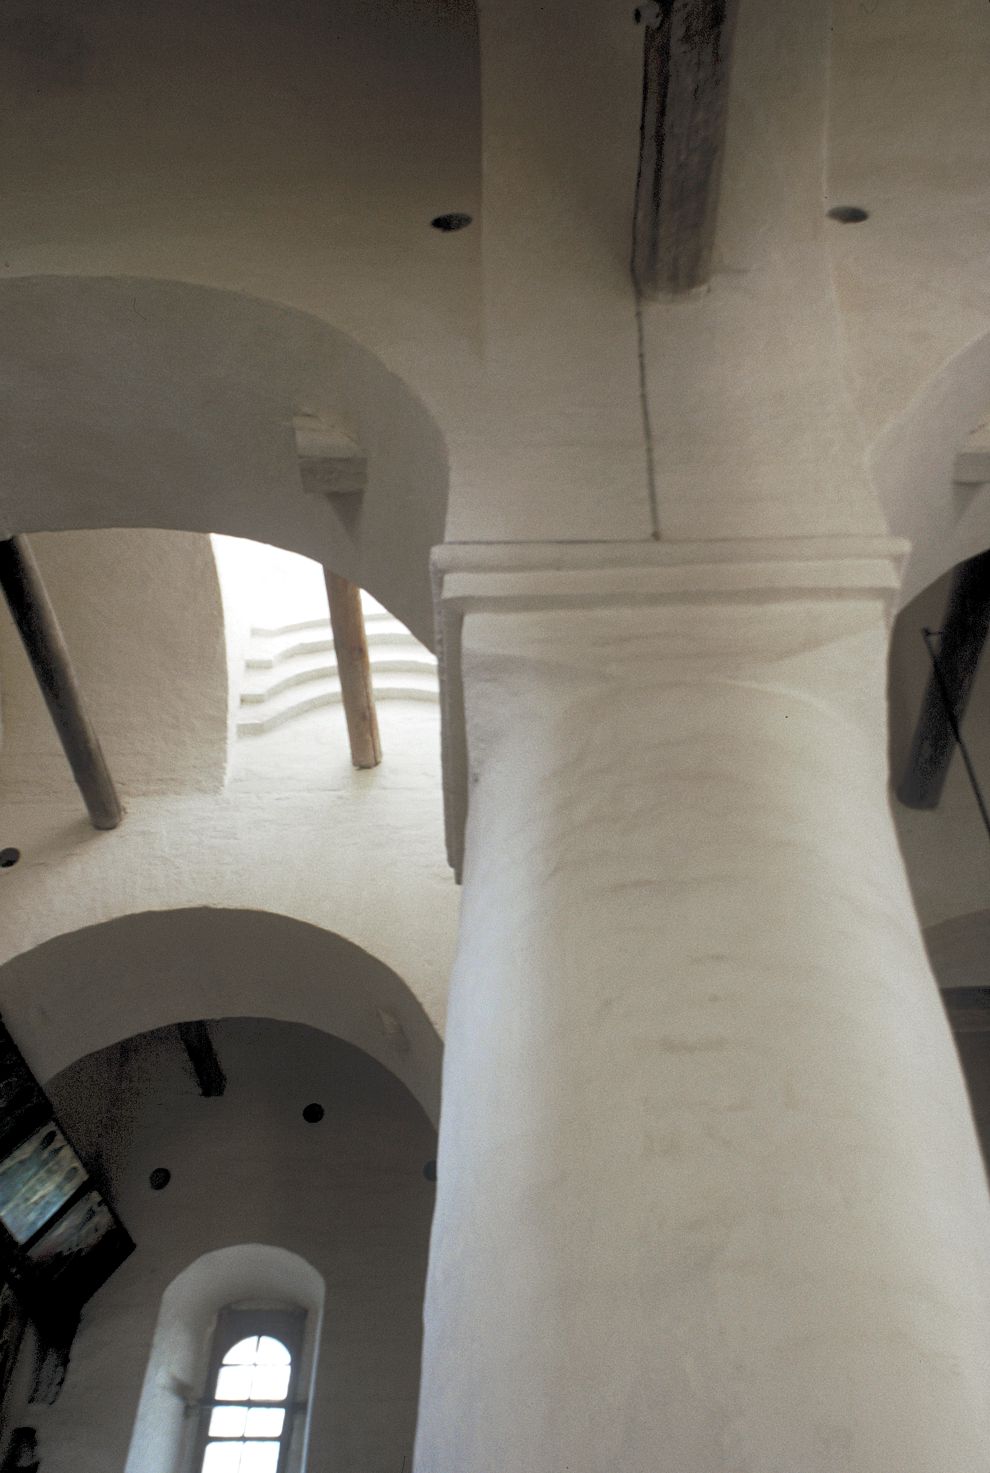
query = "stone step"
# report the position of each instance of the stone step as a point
(315, 667)
(297, 700)
(374, 619)
(266, 655)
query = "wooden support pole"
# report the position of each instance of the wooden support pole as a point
(965, 626)
(42, 638)
(682, 132)
(354, 670)
(198, 1044)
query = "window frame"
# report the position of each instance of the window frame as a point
(234, 1324)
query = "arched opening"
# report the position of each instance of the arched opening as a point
(81, 991)
(141, 403)
(249, 1421)
(341, 1200)
(242, 1287)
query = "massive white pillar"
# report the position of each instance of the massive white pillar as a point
(709, 1195)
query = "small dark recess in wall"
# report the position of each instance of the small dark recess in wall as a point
(447, 223)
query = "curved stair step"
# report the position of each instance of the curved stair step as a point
(276, 713)
(327, 670)
(267, 659)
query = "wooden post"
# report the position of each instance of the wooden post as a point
(42, 638)
(354, 670)
(682, 132)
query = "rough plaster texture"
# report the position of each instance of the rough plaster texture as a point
(143, 622)
(347, 1196)
(756, 432)
(701, 1106)
(297, 835)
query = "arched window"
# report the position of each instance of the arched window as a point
(245, 1291)
(250, 1400)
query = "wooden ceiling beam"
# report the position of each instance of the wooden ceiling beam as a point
(198, 1044)
(354, 670)
(41, 635)
(965, 626)
(686, 59)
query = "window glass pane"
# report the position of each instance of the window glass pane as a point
(269, 1383)
(223, 1457)
(264, 1422)
(228, 1422)
(258, 1457)
(272, 1352)
(234, 1383)
(244, 1353)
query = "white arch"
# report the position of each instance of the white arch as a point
(257, 1273)
(912, 467)
(85, 989)
(146, 403)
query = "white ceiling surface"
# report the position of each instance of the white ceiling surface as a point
(297, 157)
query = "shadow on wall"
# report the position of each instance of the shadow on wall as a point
(79, 992)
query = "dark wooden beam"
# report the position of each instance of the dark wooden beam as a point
(965, 625)
(42, 638)
(354, 670)
(682, 132)
(198, 1044)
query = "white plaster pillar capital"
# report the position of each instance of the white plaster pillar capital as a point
(822, 574)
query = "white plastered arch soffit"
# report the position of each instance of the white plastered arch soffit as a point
(75, 993)
(142, 403)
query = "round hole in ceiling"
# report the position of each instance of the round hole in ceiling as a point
(848, 214)
(447, 223)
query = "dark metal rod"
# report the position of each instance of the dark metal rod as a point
(42, 638)
(964, 632)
